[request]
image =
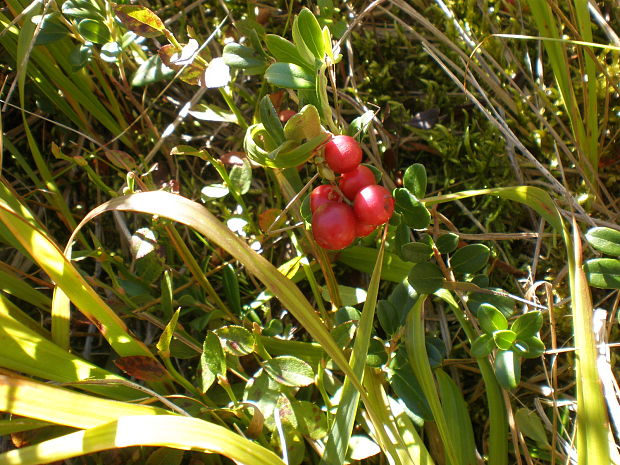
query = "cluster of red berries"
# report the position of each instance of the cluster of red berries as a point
(335, 223)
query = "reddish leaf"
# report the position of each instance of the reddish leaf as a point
(142, 367)
(266, 219)
(121, 159)
(233, 158)
(192, 73)
(140, 20)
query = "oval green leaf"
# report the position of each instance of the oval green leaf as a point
(285, 51)
(605, 240)
(415, 214)
(94, 31)
(415, 180)
(425, 278)
(491, 319)
(528, 324)
(603, 273)
(482, 346)
(508, 369)
(416, 252)
(237, 340)
(504, 339)
(290, 371)
(290, 76)
(447, 243)
(470, 258)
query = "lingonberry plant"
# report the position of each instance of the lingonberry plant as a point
(343, 154)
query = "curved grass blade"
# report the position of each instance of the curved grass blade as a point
(165, 430)
(61, 406)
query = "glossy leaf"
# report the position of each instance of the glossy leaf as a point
(151, 71)
(504, 338)
(51, 29)
(447, 243)
(359, 125)
(237, 340)
(285, 51)
(535, 347)
(508, 369)
(310, 31)
(528, 324)
(414, 179)
(289, 75)
(140, 20)
(81, 9)
(241, 177)
(482, 346)
(603, 273)
(470, 258)
(290, 371)
(242, 57)
(605, 240)
(206, 112)
(413, 212)
(94, 31)
(425, 278)
(491, 319)
(416, 252)
(212, 360)
(305, 124)
(270, 120)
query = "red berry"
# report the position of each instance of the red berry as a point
(285, 115)
(343, 154)
(354, 181)
(373, 205)
(363, 229)
(333, 225)
(323, 194)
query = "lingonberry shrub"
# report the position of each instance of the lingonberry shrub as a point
(343, 154)
(323, 194)
(373, 205)
(334, 225)
(352, 182)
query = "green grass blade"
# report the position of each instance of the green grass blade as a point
(592, 421)
(28, 351)
(61, 406)
(166, 430)
(418, 358)
(16, 286)
(344, 420)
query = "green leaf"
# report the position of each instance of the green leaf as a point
(163, 345)
(504, 304)
(530, 424)
(425, 278)
(603, 273)
(237, 340)
(361, 448)
(504, 338)
(389, 317)
(363, 259)
(311, 420)
(447, 243)
(82, 9)
(310, 31)
(348, 295)
(305, 124)
(605, 240)
(527, 325)
(470, 258)
(290, 371)
(140, 20)
(80, 55)
(285, 51)
(242, 57)
(212, 360)
(142, 243)
(359, 125)
(290, 76)
(151, 71)
(269, 119)
(94, 31)
(508, 369)
(491, 319)
(414, 179)
(416, 252)
(231, 288)
(110, 52)
(407, 387)
(205, 112)
(165, 456)
(412, 210)
(241, 177)
(482, 346)
(213, 191)
(455, 409)
(51, 29)
(535, 347)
